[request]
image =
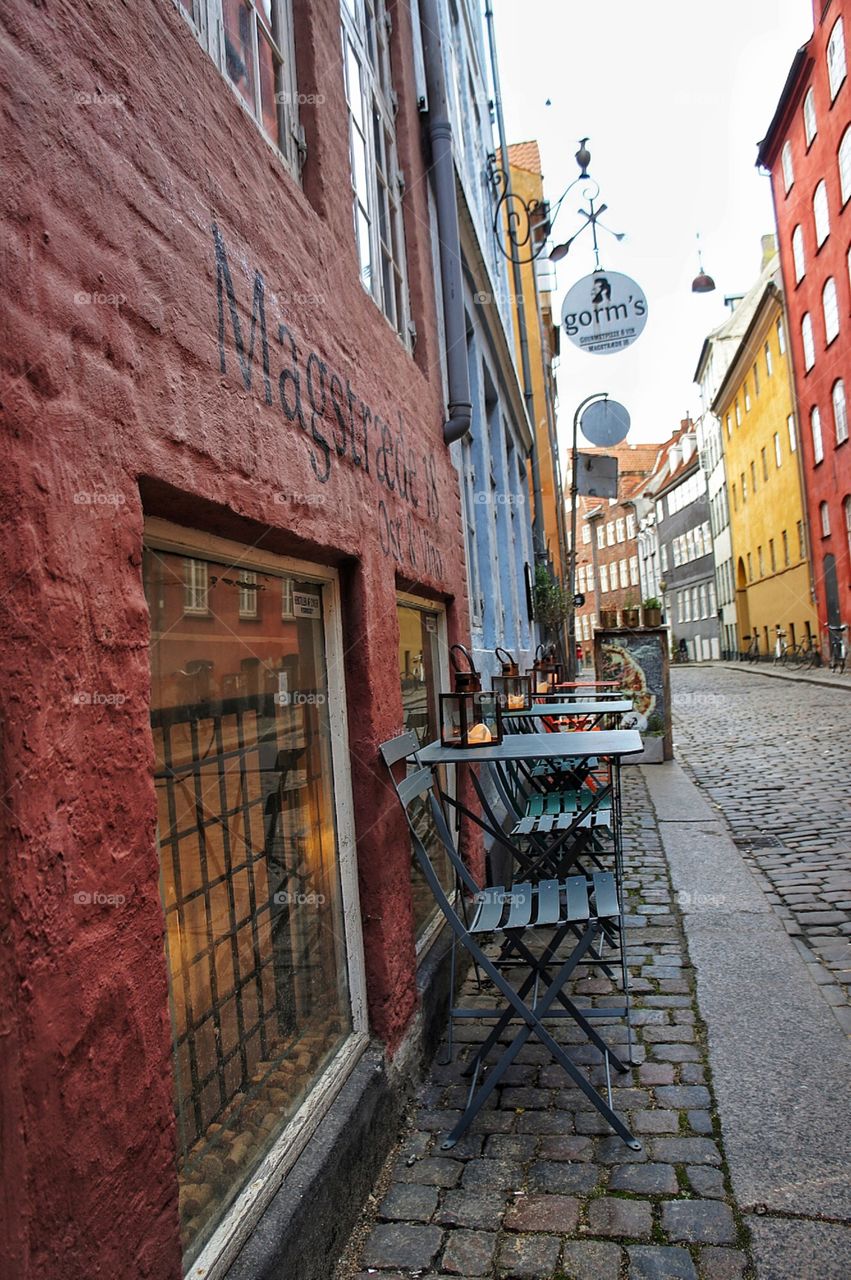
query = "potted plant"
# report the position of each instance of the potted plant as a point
(550, 600)
(608, 618)
(630, 614)
(651, 612)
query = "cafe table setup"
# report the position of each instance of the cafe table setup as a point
(562, 906)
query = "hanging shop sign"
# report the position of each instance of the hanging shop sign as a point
(604, 312)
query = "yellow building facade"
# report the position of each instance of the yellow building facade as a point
(543, 339)
(756, 407)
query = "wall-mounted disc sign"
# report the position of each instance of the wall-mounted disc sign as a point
(604, 312)
(605, 422)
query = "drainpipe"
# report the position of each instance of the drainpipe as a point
(517, 281)
(460, 407)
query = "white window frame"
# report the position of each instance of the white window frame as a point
(248, 596)
(815, 431)
(793, 435)
(809, 112)
(630, 526)
(586, 533)
(821, 213)
(836, 68)
(808, 341)
(207, 22)
(610, 533)
(601, 537)
(843, 161)
(781, 336)
(840, 411)
(377, 96)
(619, 529)
(798, 257)
(778, 453)
(824, 519)
(787, 166)
(196, 587)
(769, 363)
(240, 1219)
(604, 579)
(830, 311)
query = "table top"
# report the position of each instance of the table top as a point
(577, 708)
(539, 746)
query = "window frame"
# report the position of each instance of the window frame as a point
(787, 166)
(840, 422)
(830, 315)
(808, 341)
(376, 95)
(843, 164)
(206, 20)
(799, 260)
(824, 519)
(816, 435)
(808, 111)
(834, 85)
(821, 213)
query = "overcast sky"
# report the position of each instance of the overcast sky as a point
(674, 97)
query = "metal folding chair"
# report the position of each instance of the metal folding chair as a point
(565, 918)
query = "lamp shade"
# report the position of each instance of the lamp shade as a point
(702, 283)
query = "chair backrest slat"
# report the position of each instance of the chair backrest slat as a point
(396, 749)
(416, 784)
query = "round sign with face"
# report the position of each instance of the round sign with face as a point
(604, 312)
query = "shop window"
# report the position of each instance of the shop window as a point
(377, 183)
(250, 873)
(250, 42)
(423, 672)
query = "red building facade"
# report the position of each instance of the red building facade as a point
(224, 476)
(808, 152)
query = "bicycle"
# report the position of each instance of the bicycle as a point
(802, 654)
(838, 647)
(751, 654)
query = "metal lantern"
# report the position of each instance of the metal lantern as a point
(513, 690)
(469, 717)
(546, 673)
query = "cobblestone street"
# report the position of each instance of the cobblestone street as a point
(774, 756)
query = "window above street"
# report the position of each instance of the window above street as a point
(836, 58)
(844, 161)
(840, 411)
(815, 428)
(798, 254)
(821, 213)
(807, 340)
(830, 307)
(810, 122)
(250, 42)
(788, 170)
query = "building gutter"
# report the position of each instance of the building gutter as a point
(460, 405)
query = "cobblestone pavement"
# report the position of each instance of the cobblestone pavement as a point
(774, 755)
(539, 1188)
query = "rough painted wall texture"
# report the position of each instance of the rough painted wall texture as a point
(124, 148)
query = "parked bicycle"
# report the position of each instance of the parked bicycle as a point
(838, 647)
(803, 654)
(751, 654)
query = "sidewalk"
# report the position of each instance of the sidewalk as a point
(820, 675)
(737, 1099)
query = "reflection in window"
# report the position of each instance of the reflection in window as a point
(420, 678)
(249, 874)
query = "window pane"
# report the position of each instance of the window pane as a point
(810, 126)
(798, 254)
(249, 872)
(270, 91)
(836, 58)
(807, 338)
(830, 307)
(821, 213)
(840, 412)
(815, 426)
(239, 48)
(844, 159)
(788, 171)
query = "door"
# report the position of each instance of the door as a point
(831, 591)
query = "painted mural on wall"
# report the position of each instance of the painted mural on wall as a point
(637, 662)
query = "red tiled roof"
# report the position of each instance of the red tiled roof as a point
(525, 155)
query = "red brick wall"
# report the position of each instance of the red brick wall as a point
(124, 146)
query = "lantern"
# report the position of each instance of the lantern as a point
(546, 673)
(469, 717)
(513, 690)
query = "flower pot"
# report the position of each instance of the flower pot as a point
(608, 618)
(631, 618)
(651, 617)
